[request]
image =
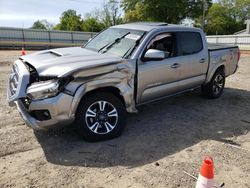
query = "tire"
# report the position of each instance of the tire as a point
(100, 116)
(215, 87)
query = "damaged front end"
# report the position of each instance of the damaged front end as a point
(46, 101)
(40, 101)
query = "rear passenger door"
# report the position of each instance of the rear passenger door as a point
(193, 59)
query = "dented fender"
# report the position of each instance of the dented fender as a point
(119, 75)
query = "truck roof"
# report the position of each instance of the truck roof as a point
(148, 26)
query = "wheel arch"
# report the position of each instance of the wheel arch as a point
(108, 89)
(82, 92)
(219, 67)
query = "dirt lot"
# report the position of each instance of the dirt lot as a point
(158, 144)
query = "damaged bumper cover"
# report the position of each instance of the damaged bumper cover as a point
(57, 107)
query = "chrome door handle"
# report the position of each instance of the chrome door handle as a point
(175, 66)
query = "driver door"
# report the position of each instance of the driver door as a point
(158, 78)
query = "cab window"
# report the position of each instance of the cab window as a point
(189, 43)
(163, 42)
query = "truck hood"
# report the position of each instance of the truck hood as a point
(61, 61)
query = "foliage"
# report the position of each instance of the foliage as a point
(69, 21)
(217, 20)
(222, 17)
(242, 9)
(41, 24)
(237, 9)
(164, 11)
(108, 16)
(227, 16)
(92, 24)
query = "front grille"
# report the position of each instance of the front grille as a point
(13, 81)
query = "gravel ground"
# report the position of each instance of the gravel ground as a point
(158, 144)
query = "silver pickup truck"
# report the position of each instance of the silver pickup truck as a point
(119, 69)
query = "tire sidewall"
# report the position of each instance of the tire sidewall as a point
(86, 103)
(212, 83)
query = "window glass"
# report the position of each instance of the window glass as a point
(191, 43)
(109, 37)
(163, 42)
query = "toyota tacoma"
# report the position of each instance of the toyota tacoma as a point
(94, 86)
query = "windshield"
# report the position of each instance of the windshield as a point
(116, 41)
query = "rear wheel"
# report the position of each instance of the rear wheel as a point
(100, 116)
(215, 87)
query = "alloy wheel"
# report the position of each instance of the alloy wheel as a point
(101, 117)
(218, 84)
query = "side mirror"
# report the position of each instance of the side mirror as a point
(153, 54)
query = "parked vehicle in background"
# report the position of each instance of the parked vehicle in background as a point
(121, 68)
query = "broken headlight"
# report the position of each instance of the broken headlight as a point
(42, 90)
(46, 89)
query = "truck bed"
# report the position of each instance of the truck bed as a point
(224, 54)
(214, 47)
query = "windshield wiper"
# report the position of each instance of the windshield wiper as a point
(131, 49)
(137, 42)
(109, 45)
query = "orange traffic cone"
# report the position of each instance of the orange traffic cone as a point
(206, 176)
(23, 52)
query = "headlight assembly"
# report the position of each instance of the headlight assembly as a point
(46, 89)
(43, 90)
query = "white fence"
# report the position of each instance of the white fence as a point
(243, 41)
(36, 38)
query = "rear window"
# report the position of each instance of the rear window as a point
(191, 43)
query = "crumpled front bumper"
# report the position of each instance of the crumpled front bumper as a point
(58, 107)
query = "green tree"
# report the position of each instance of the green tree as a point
(227, 16)
(237, 9)
(91, 24)
(69, 21)
(111, 13)
(41, 24)
(136, 13)
(166, 11)
(242, 9)
(217, 20)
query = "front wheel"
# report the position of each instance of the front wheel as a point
(100, 116)
(215, 87)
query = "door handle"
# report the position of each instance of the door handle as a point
(175, 66)
(203, 60)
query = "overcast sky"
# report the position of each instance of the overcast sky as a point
(22, 13)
